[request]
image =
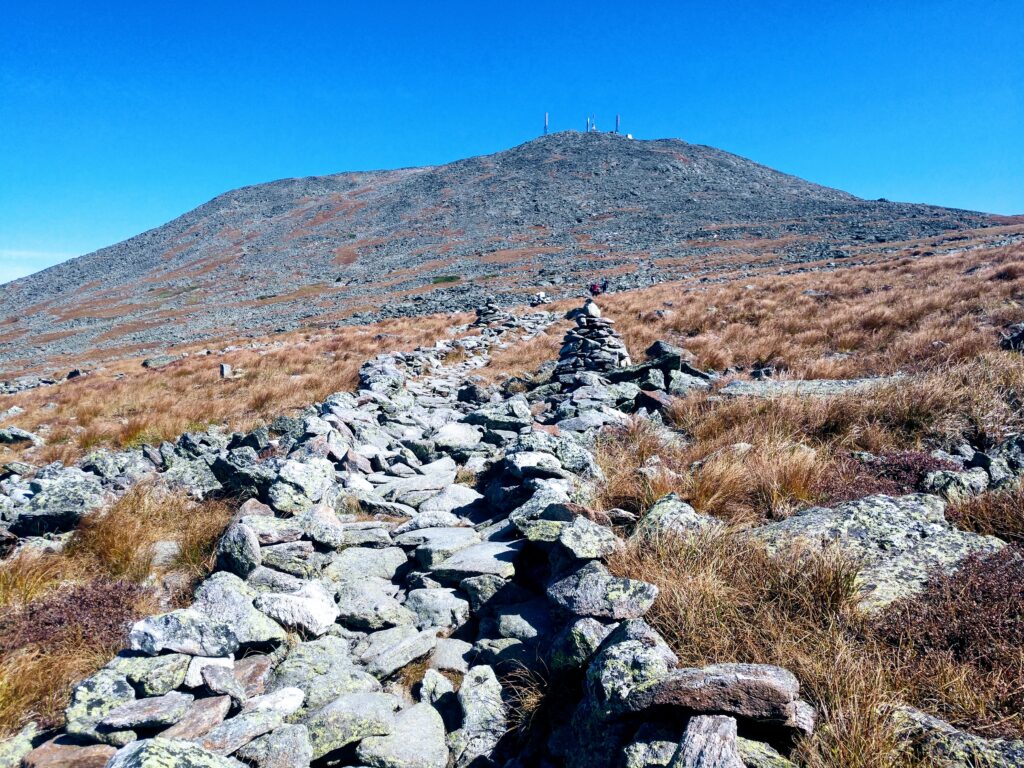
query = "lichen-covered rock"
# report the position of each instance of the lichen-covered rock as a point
(324, 669)
(350, 718)
(301, 484)
(260, 715)
(757, 754)
(941, 745)
(238, 550)
(956, 486)
(92, 700)
(483, 717)
(583, 539)
(13, 749)
(165, 753)
(152, 675)
(671, 515)
(592, 591)
(900, 541)
(418, 741)
(287, 746)
(575, 645)
(496, 558)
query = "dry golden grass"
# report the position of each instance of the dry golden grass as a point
(109, 550)
(898, 314)
(126, 405)
(998, 513)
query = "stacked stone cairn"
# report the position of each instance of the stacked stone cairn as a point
(593, 345)
(491, 314)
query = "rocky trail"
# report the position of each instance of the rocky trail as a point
(410, 555)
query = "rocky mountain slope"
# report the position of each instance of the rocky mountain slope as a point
(552, 214)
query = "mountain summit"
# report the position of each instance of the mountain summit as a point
(553, 214)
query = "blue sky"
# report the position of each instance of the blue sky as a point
(115, 116)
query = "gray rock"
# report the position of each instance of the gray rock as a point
(299, 558)
(457, 436)
(592, 591)
(287, 746)
(194, 675)
(757, 692)
(956, 486)
(225, 596)
(14, 748)
(260, 715)
(451, 655)
(362, 562)
(418, 741)
(202, 717)
(429, 519)
(239, 550)
(311, 610)
(349, 719)
(437, 608)
(369, 605)
(273, 530)
(434, 545)
(454, 498)
(488, 558)
(483, 717)
(671, 515)
(221, 680)
(709, 742)
(385, 652)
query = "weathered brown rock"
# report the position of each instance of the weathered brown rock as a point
(253, 672)
(202, 717)
(61, 753)
(758, 692)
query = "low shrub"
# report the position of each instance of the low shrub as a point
(966, 629)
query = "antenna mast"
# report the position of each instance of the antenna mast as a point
(545, 123)
(616, 123)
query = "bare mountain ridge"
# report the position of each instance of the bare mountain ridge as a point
(552, 214)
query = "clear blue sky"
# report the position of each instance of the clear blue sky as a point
(117, 116)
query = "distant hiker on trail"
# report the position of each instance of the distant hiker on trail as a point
(604, 285)
(595, 289)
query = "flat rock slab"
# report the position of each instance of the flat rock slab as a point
(805, 388)
(488, 558)
(900, 540)
(758, 692)
(61, 752)
(153, 712)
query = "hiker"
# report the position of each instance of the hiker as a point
(595, 289)
(604, 285)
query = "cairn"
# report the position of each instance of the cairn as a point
(490, 314)
(593, 345)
